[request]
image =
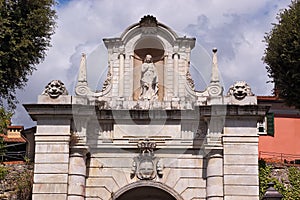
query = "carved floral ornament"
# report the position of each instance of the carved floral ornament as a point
(54, 89)
(148, 21)
(146, 166)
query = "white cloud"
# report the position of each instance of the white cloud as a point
(235, 27)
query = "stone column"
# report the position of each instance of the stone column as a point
(77, 174)
(175, 73)
(121, 75)
(165, 83)
(214, 175)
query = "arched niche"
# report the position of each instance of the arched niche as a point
(154, 47)
(146, 190)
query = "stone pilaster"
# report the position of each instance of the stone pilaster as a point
(121, 75)
(77, 174)
(240, 159)
(175, 73)
(51, 159)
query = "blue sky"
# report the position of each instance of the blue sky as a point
(236, 28)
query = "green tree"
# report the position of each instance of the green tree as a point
(5, 118)
(26, 27)
(282, 54)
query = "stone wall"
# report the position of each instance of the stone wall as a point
(17, 184)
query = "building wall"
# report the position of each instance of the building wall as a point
(286, 137)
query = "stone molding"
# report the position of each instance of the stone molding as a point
(143, 183)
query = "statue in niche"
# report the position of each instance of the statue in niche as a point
(149, 80)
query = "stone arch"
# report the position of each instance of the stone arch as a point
(146, 190)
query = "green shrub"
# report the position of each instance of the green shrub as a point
(290, 191)
(24, 185)
(3, 172)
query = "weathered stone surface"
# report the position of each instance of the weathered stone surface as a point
(108, 182)
(50, 178)
(231, 190)
(244, 197)
(241, 180)
(52, 158)
(180, 186)
(99, 192)
(76, 185)
(191, 193)
(240, 169)
(52, 147)
(49, 196)
(240, 149)
(51, 168)
(55, 130)
(52, 138)
(241, 159)
(63, 99)
(51, 188)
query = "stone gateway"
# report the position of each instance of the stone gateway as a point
(148, 134)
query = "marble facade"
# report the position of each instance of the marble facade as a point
(147, 138)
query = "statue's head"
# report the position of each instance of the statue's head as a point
(148, 58)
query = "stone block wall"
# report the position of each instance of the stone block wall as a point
(240, 160)
(108, 172)
(51, 166)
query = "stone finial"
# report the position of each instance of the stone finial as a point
(215, 70)
(215, 89)
(82, 69)
(82, 84)
(240, 89)
(54, 89)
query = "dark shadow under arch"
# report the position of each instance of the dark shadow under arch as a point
(146, 190)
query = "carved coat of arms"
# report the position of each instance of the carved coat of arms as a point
(146, 166)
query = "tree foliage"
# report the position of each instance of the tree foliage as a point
(26, 27)
(5, 120)
(282, 54)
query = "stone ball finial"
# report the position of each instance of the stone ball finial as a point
(214, 50)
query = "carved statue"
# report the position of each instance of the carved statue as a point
(55, 88)
(149, 80)
(240, 90)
